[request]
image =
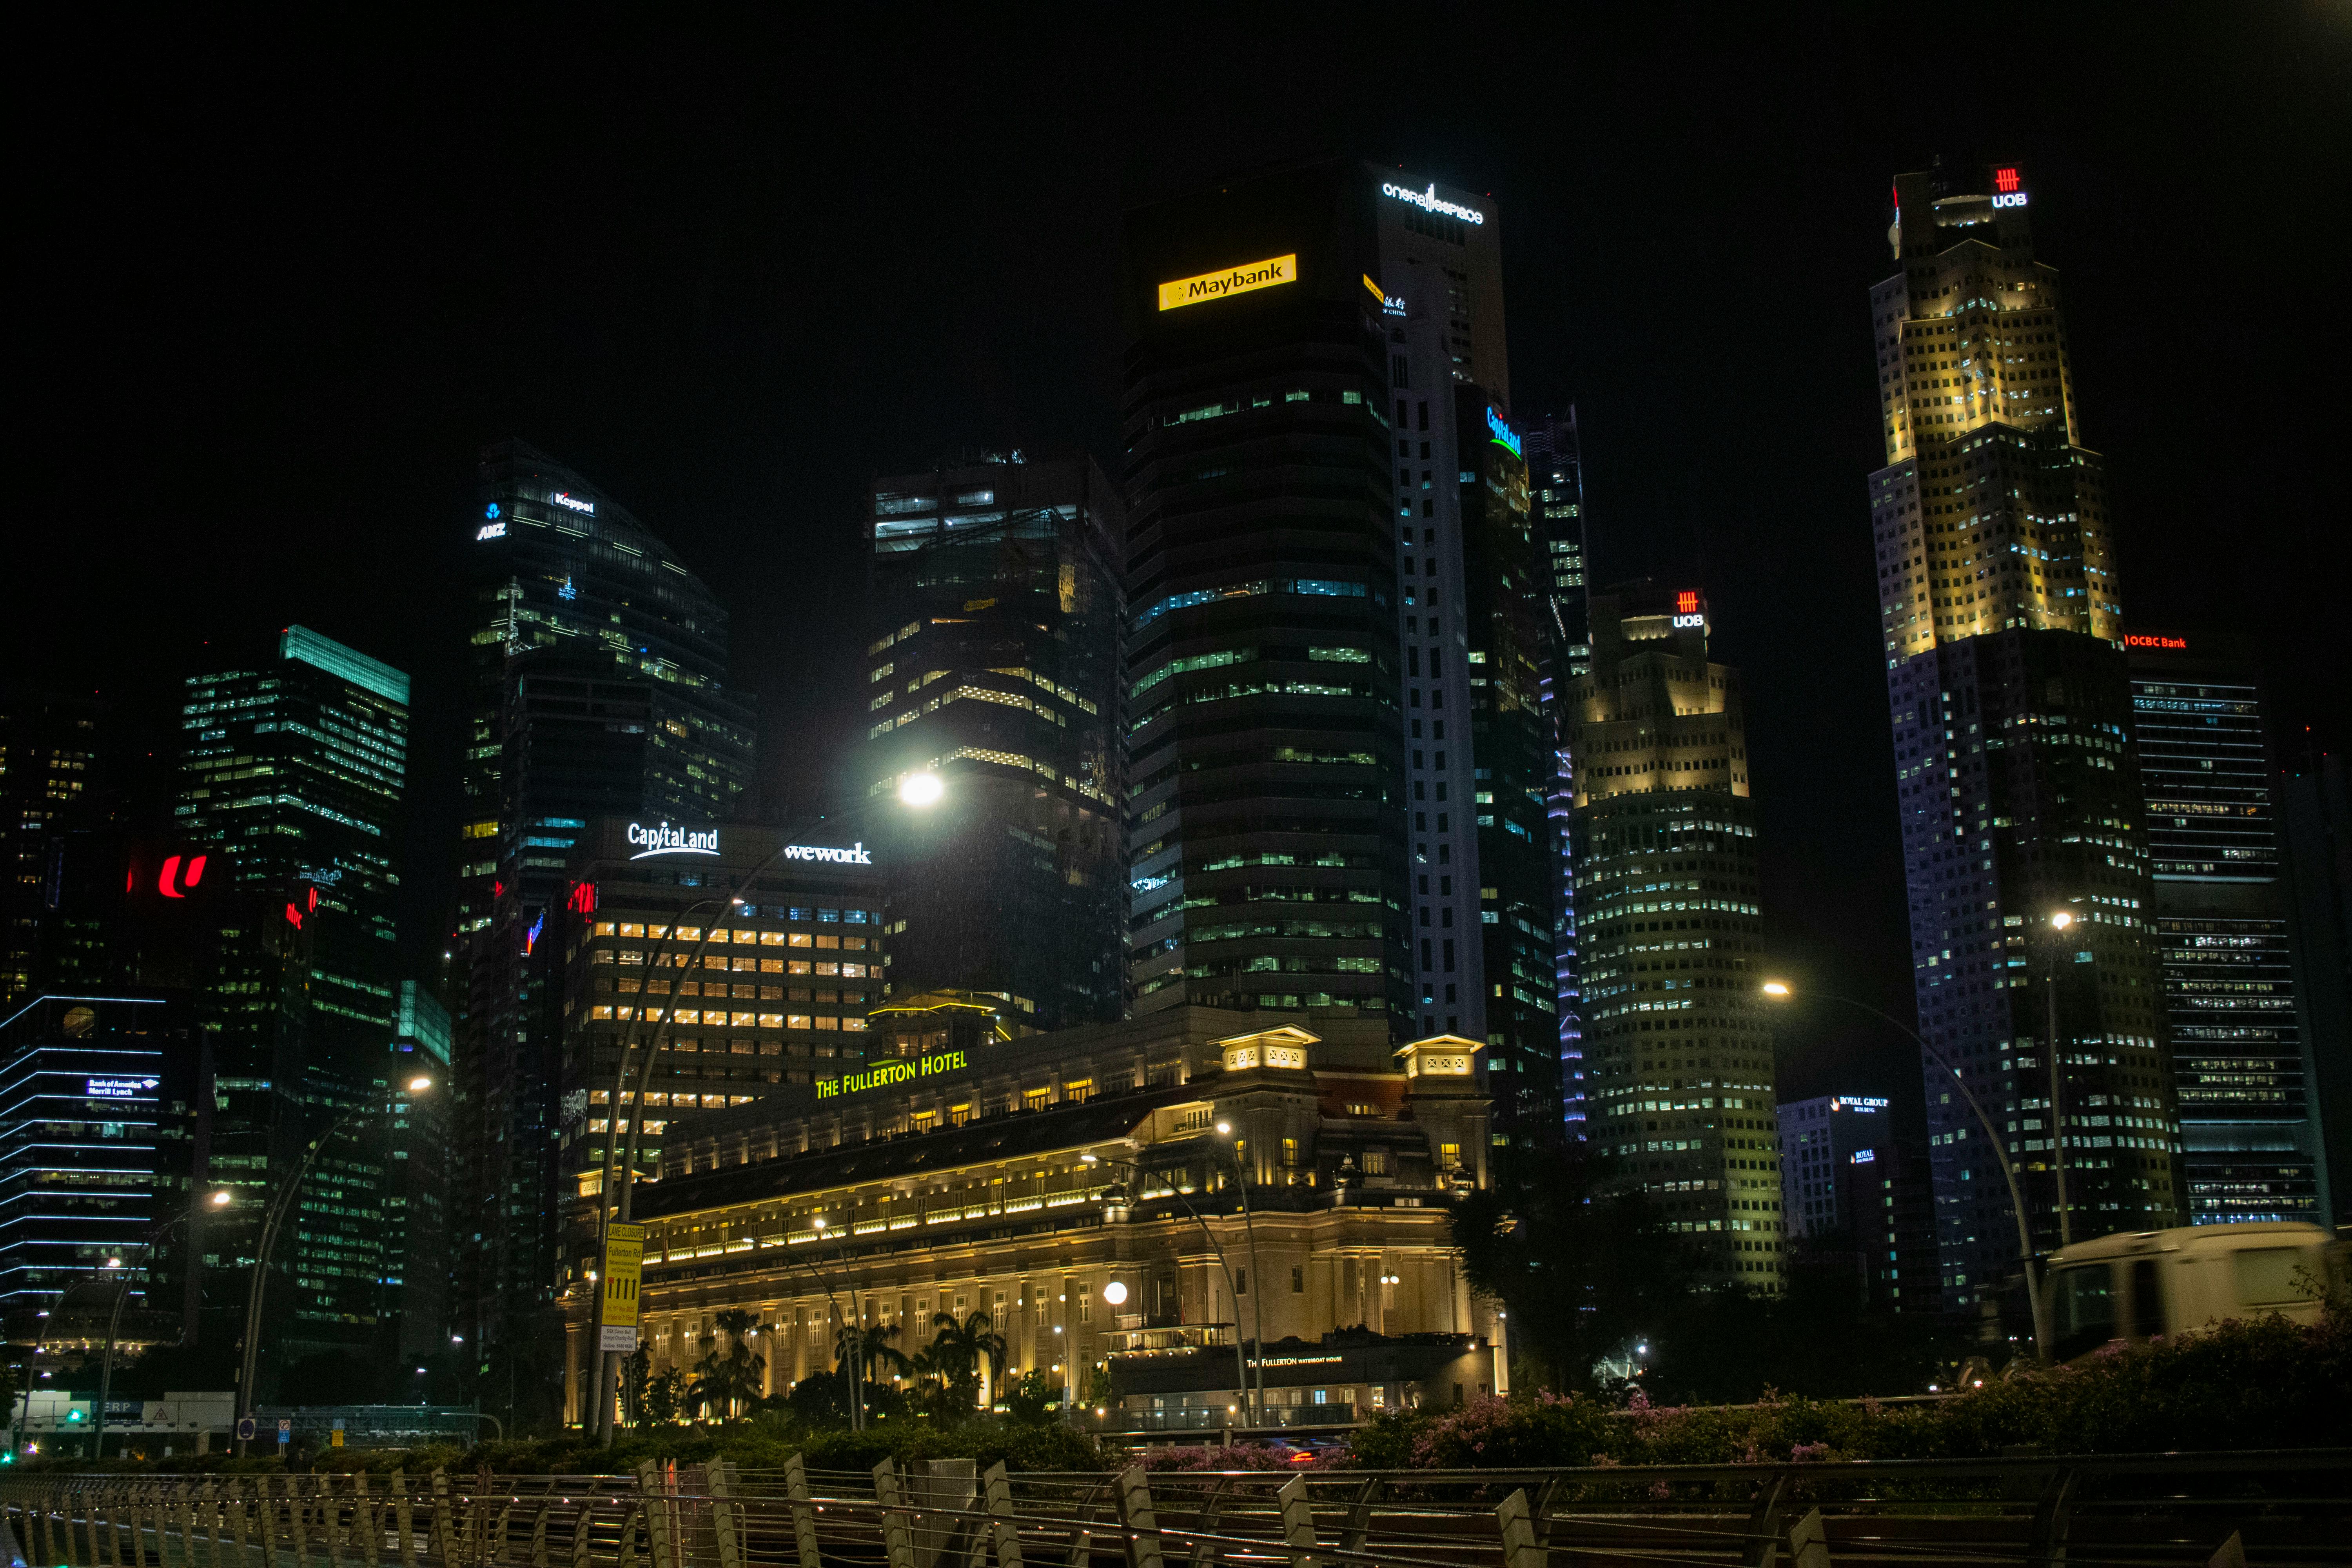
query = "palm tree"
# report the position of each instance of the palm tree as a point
(872, 1348)
(959, 1348)
(731, 1379)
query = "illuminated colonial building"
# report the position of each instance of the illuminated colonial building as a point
(1083, 1190)
(1679, 1057)
(2017, 778)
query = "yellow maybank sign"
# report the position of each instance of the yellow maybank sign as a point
(1249, 277)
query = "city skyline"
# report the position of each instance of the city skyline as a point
(1142, 509)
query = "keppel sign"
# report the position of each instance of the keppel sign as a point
(571, 503)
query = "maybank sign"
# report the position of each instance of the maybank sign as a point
(1428, 201)
(1246, 278)
(661, 839)
(882, 1075)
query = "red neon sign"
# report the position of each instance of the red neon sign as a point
(2004, 179)
(2157, 640)
(583, 901)
(294, 916)
(1686, 603)
(172, 873)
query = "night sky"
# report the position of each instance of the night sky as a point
(276, 287)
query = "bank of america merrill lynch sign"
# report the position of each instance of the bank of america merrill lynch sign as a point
(660, 839)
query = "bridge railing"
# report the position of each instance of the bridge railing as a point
(2131, 1511)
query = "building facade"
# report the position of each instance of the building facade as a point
(292, 778)
(1267, 751)
(2317, 816)
(2017, 777)
(800, 951)
(1823, 1143)
(1082, 1189)
(2242, 1064)
(52, 934)
(995, 665)
(1678, 1056)
(85, 1169)
(598, 685)
(1555, 457)
(417, 1188)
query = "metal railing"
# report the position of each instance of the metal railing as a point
(2143, 1512)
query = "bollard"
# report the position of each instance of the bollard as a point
(721, 1486)
(1297, 1522)
(796, 1496)
(1135, 1512)
(581, 1538)
(234, 1491)
(445, 1539)
(897, 1546)
(538, 1531)
(998, 1492)
(1809, 1542)
(1520, 1549)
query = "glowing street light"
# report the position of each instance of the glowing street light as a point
(921, 789)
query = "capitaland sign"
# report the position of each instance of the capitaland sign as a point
(661, 839)
(1503, 435)
(1223, 284)
(1428, 201)
(884, 1075)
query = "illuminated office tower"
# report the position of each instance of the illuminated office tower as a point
(2241, 1029)
(292, 783)
(1304, 833)
(598, 685)
(993, 662)
(52, 935)
(417, 1188)
(2017, 778)
(1679, 1087)
(1556, 479)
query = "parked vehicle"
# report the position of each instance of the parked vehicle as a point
(2137, 1284)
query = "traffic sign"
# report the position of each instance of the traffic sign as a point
(245, 1429)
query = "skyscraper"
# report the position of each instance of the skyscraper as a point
(1556, 475)
(2317, 822)
(50, 772)
(2017, 778)
(1679, 1081)
(599, 687)
(2241, 1035)
(1266, 762)
(995, 663)
(291, 784)
(417, 1185)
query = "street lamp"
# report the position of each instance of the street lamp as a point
(1257, 1311)
(2058, 924)
(1999, 1152)
(1241, 1366)
(918, 790)
(248, 1364)
(219, 1199)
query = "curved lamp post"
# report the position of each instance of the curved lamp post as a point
(275, 1217)
(1241, 1366)
(122, 1293)
(1774, 988)
(1249, 1235)
(922, 789)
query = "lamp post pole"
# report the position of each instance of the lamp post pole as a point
(270, 1222)
(1241, 1366)
(1257, 1311)
(2058, 924)
(2000, 1152)
(919, 790)
(122, 1294)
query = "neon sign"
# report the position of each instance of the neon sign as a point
(582, 899)
(855, 855)
(1502, 434)
(572, 503)
(1227, 281)
(1389, 307)
(1864, 1156)
(2007, 192)
(490, 530)
(1686, 610)
(119, 1087)
(186, 880)
(1855, 1102)
(2004, 179)
(2154, 640)
(882, 1075)
(1428, 201)
(664, 839)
